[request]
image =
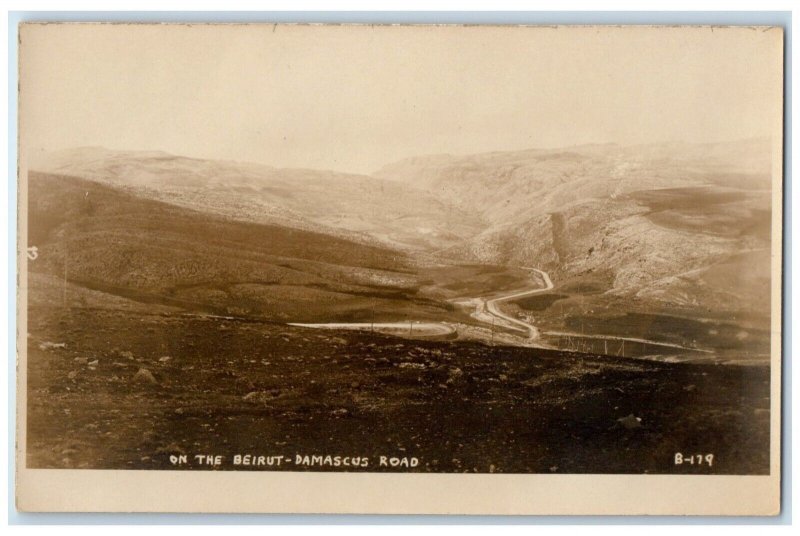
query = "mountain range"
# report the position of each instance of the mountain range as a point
(673, 225)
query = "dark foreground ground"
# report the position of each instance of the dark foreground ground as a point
(128, 391)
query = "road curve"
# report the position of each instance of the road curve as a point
(493, 309)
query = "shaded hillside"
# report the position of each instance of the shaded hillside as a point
(153, 252)
(657, 220)
(356, 207)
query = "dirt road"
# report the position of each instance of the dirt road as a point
(429, 329)
(514, 323)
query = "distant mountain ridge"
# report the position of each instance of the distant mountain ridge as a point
(521, 184)
(658, 221)
(353, 206)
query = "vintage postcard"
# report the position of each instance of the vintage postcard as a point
(399, 269)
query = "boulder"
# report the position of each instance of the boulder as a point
(630, 422)
(144, 376)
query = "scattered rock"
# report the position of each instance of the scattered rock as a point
(341, 412)
(244, 384)
(52, 345)
(454, 374)
(94, 363)
(338, 340)
(144, 376)
(690, 388)
(630, 422)
(72, 375)
(81, 360)
(258, 397)
(172, 448)
(164, 359)
(409, 364)
(126, 354)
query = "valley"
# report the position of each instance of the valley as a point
(543, 311)
(433, 239)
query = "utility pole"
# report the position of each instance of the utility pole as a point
(66, 258)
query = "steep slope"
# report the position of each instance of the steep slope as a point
(356, 207)
(107, 240)
(652, 219)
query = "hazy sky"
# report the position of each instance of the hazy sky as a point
(354, 99)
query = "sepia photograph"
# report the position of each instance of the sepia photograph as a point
(287, 251)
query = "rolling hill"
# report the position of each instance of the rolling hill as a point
(675, 229)
(355, 207)
(110, 241)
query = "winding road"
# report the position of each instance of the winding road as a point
(484, 308)
(491, 306)
(487, 311)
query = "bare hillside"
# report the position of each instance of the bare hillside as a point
(357, 207)
(657, 220)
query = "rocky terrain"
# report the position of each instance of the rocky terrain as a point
(118, 390)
